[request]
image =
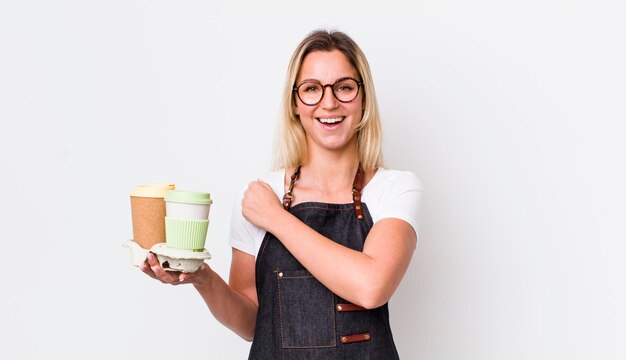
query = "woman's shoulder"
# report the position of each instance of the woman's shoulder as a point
(394, 194)
(384, 178)
(276, 180)
(274, 175)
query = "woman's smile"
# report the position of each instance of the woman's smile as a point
(331, 122)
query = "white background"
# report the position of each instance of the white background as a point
(511, 114)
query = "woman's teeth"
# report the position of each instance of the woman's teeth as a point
(331, 120)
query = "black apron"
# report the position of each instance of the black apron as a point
(298, 317)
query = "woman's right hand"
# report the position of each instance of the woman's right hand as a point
(155, 271)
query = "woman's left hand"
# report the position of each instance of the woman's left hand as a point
(260, 205)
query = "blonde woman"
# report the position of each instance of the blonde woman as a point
(320, 244)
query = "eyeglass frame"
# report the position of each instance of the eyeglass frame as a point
(359, 84)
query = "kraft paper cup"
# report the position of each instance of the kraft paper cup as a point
(148, 213)
(187, 219)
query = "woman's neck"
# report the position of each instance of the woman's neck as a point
(330, 171)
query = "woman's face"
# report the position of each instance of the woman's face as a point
(330, 124)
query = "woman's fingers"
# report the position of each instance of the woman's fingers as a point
(155, 270)
(259, 203)
(152, 268)
(147, 270)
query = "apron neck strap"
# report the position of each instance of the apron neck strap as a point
(357, 187)
(288, 197)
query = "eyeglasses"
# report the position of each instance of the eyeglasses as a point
(311, 92)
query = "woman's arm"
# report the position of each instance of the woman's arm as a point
(367, 278)
(234, 305)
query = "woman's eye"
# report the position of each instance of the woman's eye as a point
(344, 88)
(311, 88)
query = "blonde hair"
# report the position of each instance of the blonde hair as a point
(291, 145)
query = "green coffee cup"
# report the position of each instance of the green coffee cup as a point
(187, 222)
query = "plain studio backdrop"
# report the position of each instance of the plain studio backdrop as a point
(511, 114)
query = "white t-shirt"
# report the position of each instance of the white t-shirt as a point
(389, 194)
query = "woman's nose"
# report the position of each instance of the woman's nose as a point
(328, 98)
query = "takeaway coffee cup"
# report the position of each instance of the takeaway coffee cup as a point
(187, 219)
(148, 210)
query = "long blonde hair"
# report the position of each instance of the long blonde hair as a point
(291, 145)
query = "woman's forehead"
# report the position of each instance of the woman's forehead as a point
(326, 66)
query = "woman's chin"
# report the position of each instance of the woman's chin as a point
(335, 144)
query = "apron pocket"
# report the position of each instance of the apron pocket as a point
(307, 316)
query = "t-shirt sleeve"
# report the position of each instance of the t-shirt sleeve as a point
(242, 232)
(243, 235)
(402, 199)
